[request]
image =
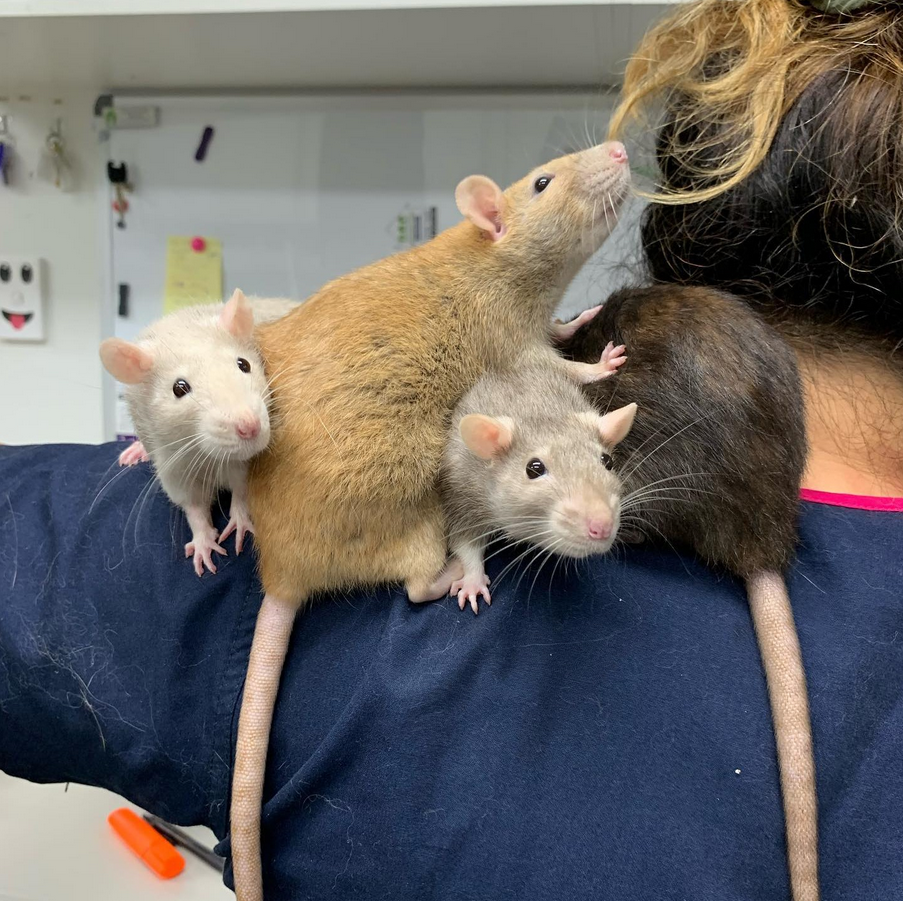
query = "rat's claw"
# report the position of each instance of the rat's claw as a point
(134, 453)
(562, 331)
(471, 590)
(202, 549)
(613, 356)
(611, 360)
(240, 523)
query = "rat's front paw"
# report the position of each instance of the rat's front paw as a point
(202, 547)
(611, 360)
(562, 331)
(471, 589)
(134, 453)
(240, 523)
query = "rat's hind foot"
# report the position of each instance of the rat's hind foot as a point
(202, 547)
(471, 588)
(134, 453)
(611, 360)
(239, 522)
(562, 331)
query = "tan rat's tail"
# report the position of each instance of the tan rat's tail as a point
(783, 662)
(271, 637)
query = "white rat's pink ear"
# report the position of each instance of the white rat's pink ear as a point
(614, 426)
(484, 436)
(237, 317)
(127, 363)
(481, 200)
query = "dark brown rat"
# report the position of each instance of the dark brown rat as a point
(714, 463)
(365, 376)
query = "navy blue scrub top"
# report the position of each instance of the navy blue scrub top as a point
(603, 734)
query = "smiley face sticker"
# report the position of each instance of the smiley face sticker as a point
(21, 299)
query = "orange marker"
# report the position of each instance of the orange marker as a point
(147, 843)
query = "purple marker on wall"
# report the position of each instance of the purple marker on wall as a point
(206, 137)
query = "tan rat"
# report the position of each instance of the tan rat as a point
(714, 464)
(197, 393)
(366, 375)
(530, 457)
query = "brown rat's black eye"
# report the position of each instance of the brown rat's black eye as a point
(180, 388)
(535, 469)
(542, 183)
(607, 461)
(244, 365)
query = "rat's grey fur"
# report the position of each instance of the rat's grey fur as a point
(551, 420)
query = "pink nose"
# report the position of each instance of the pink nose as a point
(248, 428)
(598, 529)
(618, 152)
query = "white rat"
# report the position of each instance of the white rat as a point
(197, 393)
(530, 457)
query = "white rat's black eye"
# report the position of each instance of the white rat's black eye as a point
(180, 388)
(607, 461)
(244, 365)
(535, 469)
(542, 183)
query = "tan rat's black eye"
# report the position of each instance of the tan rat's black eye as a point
(244, 365)
(542, 183)
(180, 388)
(535, 469)
(607, 461)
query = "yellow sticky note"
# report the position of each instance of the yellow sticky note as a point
(194, 272)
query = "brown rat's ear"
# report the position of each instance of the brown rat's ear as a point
(481, 200)
(127, 363)
(484, 436)
(613, 427)
(237, 317)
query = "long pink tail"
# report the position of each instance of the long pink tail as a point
(783, 662)
(271, 638)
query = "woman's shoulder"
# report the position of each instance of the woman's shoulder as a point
(595, 716)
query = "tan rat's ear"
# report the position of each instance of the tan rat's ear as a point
(481, 200)
(484, 436)
(614, 426)
(237, 317)
(127, 363)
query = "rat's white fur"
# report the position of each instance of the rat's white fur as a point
(192, 440)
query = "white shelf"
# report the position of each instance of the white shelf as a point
(504, 45)
(164, 7)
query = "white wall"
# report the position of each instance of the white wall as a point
(51, 392)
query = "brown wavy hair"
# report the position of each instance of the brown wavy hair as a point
(736, 67)
(779, 144)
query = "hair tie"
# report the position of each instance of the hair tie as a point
(839, 7)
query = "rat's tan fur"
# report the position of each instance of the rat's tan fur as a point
(365, 377)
